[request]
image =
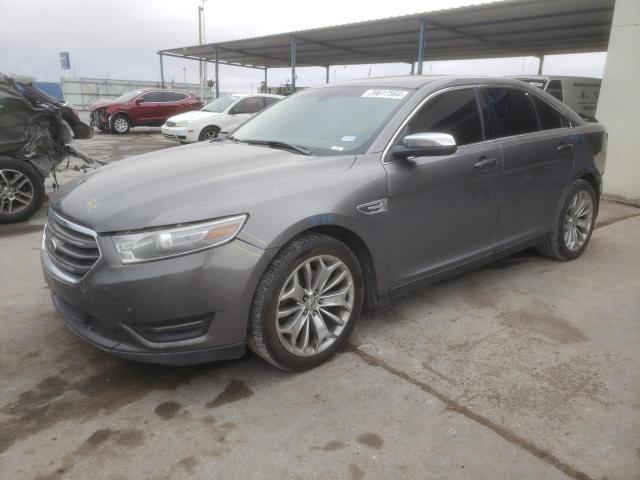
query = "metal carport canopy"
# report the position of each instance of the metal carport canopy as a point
(490, 30)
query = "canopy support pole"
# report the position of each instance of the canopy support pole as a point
(293, 64)
(540, 64)
(216, 73)
(266, 87)
(161, 71)
(423, 35)
(327, 77)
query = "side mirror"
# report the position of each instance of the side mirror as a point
(425, 144)
(139, 101)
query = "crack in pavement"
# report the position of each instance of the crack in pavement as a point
(452, 404)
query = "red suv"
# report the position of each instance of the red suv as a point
(149, 108)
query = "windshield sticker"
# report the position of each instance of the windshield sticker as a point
(392, 94)
(348, 138)
(337, 147)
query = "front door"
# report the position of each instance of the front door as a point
(443, 209)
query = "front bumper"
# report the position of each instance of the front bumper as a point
(178, 311)
(179, 134)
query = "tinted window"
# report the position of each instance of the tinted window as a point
(555, 88)
(549, 117)
(174, 96)
(454, 112)
(270, 100)
(249, 105)
(153, 97)
(512, 111)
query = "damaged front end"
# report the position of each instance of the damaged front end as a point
(36, 133)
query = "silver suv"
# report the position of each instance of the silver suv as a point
(335, 198)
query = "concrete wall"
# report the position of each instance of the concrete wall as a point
(619, 104)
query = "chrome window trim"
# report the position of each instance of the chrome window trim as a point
(52, 267)
(472, 86)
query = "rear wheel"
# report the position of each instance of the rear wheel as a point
(209, 133)
(307, 303)
(21, 190)
(573, 223)
(120, 124)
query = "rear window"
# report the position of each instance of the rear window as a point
(512, 110)
(549, 117)
(554, 88)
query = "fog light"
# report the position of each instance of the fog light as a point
(182, 329)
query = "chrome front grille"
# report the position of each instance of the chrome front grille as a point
(72, 249)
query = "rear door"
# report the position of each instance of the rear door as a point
(443, 209)
(537, 162)
(175, 103)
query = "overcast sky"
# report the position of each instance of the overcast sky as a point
(120, 38)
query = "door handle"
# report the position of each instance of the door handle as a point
(564, 147)
(485, 163)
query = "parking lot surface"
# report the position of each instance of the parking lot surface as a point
(528, 369)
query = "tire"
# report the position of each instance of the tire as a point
(120, 124)
(208, 133)
(18, 181)
(266, 337)
(558, 244)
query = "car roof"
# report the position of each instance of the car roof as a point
(419, 81)
(549, 77)
(254, 95)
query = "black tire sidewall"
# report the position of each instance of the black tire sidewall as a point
(322, 245)
(203, 132)
(579, 185)
(38, 189)
(120, 115)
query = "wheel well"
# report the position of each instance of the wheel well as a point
(361, 251)
(591, 178)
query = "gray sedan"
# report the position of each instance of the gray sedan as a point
(335, 199)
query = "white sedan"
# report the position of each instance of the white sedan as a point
(224, 113)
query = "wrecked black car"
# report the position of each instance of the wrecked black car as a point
(36, 132)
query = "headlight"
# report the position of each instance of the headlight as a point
(157, 244)
(182, 123)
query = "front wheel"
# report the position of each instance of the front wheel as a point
(307, 303)
(209, 133)
(573, 223)
(120, 124)
(21, 190)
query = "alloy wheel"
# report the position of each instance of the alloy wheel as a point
(210, 134)
(578, 220)
(120, 125)
(16, 191)
(314, 305)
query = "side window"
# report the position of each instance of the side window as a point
(549, 117)
(153, 97)
(512, 111)
(249, 105)
(174, 96)
(454, 112)
(554, 87)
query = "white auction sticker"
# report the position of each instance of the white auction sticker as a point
(348, 138)
(380, 93)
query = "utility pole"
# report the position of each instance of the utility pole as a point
(200, 15)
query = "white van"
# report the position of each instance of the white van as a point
(579, 93)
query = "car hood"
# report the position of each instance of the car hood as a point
(103, 104)
(190, 183)
(193, 115)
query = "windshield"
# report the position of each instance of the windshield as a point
(218, 106)
(128, 96)
(327, 121)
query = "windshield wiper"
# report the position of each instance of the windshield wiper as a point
(279, 144)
